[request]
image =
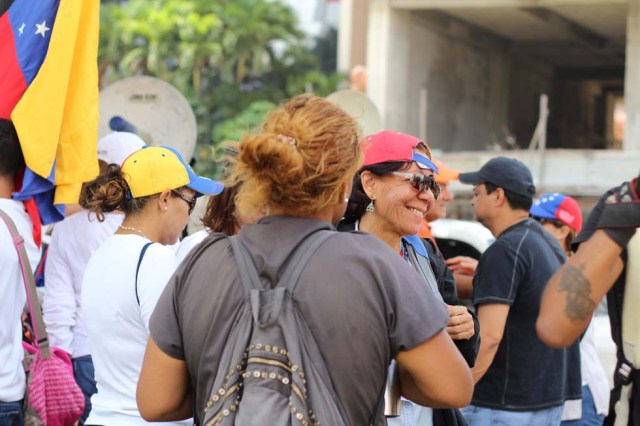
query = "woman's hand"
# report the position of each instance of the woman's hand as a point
(463, 265)
(460, 326)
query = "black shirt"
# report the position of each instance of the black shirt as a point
(525, 374)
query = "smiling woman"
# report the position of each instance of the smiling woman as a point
(394, 188)
(391, 195)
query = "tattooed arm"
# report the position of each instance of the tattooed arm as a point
(575, 290)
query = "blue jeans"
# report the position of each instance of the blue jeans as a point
(590, 416)
(480, 416)
(11, 413)
(85, 378)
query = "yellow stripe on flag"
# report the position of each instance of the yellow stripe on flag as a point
(57, 117)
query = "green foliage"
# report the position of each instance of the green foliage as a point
(320, 83)
(246, 121)
(228, 133)
(224, 56)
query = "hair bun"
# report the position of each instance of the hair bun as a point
(307, 149)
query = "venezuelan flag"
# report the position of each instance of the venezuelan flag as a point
(49, 89)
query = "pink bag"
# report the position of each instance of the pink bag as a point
(53, 395)
(52, 392)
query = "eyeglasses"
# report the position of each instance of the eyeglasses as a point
(421, 182)
(190, 201)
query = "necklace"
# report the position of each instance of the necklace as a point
(131, 228)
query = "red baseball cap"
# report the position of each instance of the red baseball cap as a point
(388, 146)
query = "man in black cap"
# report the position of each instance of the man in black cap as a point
(519, 379)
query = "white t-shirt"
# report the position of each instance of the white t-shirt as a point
(12, 300)
(73, 242)
(593, 375)
(592, 371)
(187, 244)
(118, 327)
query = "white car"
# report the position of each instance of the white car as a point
(461, 237)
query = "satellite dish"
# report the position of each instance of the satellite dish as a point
(153, 109)
(360, 107)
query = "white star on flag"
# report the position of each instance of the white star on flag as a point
(21, 29)
(42, 28)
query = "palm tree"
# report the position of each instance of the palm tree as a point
(223, 55)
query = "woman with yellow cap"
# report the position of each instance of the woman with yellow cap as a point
(156, 190)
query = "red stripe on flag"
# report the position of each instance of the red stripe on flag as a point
(32, 210)
(12, 83)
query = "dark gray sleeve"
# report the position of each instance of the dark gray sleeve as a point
(165, 323)
(414, 313)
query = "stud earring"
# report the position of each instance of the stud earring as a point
(166, 208)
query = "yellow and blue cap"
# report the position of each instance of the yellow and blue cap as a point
(154, 169)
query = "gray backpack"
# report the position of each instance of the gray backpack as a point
(271, 371)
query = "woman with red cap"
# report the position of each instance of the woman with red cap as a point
(392, 193)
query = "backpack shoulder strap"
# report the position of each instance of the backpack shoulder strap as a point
(630, 312)
(299, 258)
(294, 264)
(144, 250)
(422, 265)
(246, 266)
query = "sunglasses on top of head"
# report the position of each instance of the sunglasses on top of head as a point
(190, 201)
(421, 182)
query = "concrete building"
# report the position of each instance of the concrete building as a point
(468, 75)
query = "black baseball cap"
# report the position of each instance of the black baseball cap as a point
(503, 172)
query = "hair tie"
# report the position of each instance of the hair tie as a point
(288, 139)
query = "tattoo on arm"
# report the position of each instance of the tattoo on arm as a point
(579, 305)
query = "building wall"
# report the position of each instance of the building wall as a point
(529, 80)
(481, 91)
(575, 109)
(478, 94)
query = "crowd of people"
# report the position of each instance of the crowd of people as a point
(151, 322)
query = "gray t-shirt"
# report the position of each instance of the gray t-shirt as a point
(362, 302)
